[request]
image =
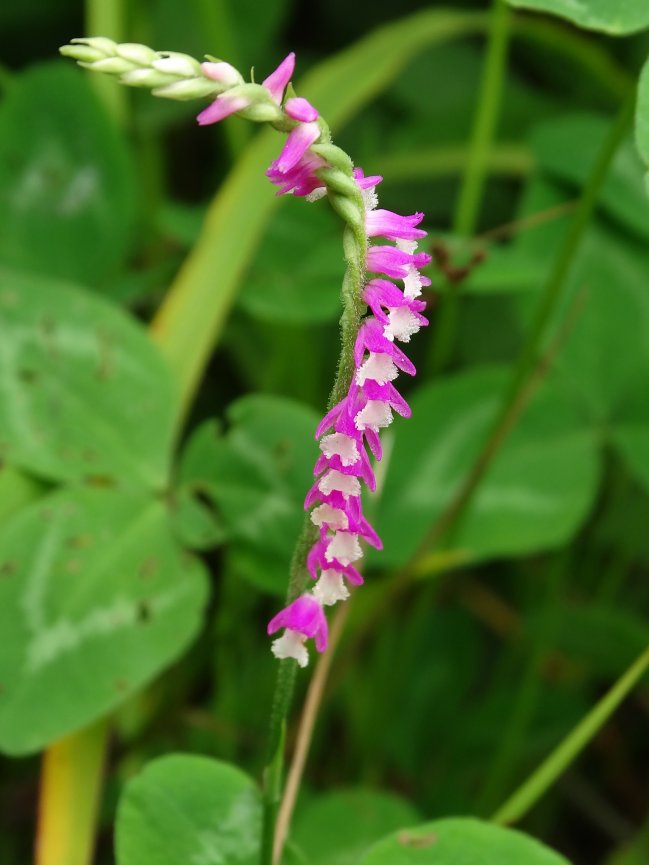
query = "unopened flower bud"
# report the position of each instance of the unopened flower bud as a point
(146, 78)
(142, 55)
(222, 72)
(189, 88)
(174, 63)
(111, 65)
(107, 46)
(82, 53)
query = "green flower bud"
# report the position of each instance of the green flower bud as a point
(174, 63)
(190, 88)
(262, 112)
(84, 53)
(146, 78)
(111, 65)
(141, 55)
(106, 46)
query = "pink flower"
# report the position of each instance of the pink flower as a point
(276, 82)
(302, 619)
(223, 106)
(390, 225)
(299, 109)
(228, 103)
(393, 261)
(298, 142)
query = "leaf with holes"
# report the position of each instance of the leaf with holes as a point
(96, 598)
(188, 809)
(83, 391)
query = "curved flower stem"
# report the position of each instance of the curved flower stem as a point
(347, 200)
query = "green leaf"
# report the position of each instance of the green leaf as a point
(257, 476)
(642, 115)
(189, 809)
(96, 598)
(610, 16)
(535, 494)
(461, 841)
(195, 524)
(609, 272)
(567, 149)
(83, 391)
(338, 828)
(294, 276)
(602, 637)
(68, 203)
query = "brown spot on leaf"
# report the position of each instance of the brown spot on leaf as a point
(72, 566)
(7, 569)
(28, 376)
(143, 612)
(80, 541)
(420, 842)
(148, 568)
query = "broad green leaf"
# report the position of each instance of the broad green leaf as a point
(68, 203)
(83, 392)
(461, 841)
(96, 598)
(610, 16)
(189, 809)
(604, 361)
(535, 494)
(567, 148)
(338, 828)
(257, 476)
(604, 638)
(295, 276)
(194, 523)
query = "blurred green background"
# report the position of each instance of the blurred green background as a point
(454, 681)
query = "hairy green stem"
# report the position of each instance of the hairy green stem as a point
(348, 202)
(520, 802)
